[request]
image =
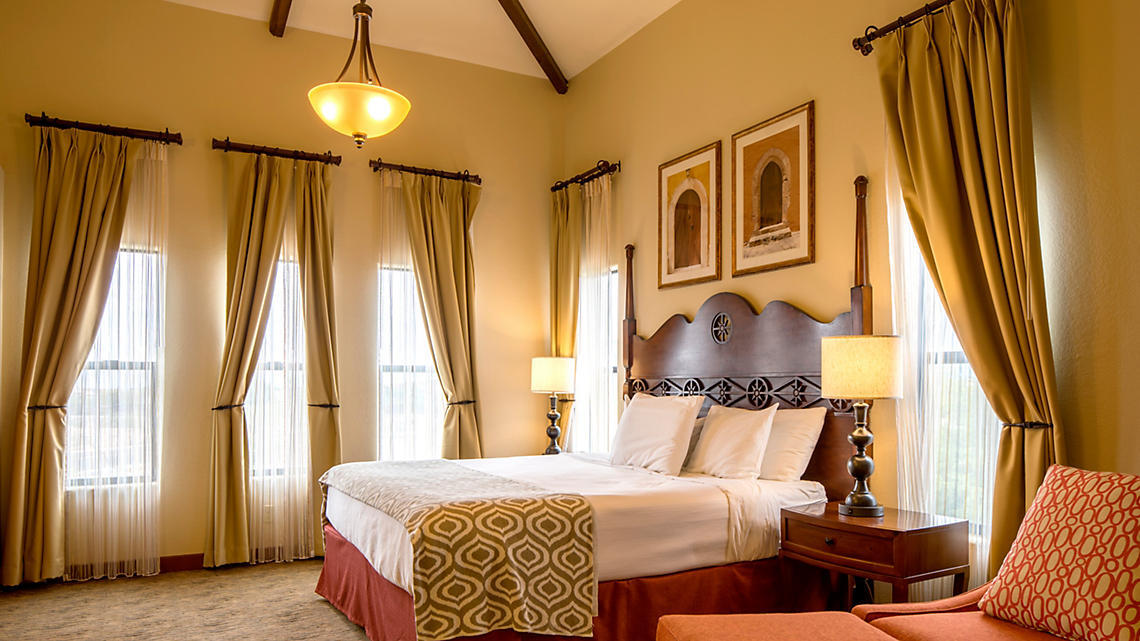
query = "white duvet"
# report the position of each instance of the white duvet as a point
(645, 523)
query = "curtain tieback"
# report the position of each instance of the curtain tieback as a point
(462, 403)
(227, 407)
(40, 408)
(1030, 425)
(325, 405)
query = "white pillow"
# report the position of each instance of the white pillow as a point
(791, 444)
(732, 443)
(654, 432)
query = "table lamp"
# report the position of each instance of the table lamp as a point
(861, 368)
(552, 375)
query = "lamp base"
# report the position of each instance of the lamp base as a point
(860, 510)
(552, 430)
(861, 502)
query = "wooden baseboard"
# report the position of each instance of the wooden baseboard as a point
(180, 562)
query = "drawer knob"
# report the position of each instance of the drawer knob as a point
(829, 541)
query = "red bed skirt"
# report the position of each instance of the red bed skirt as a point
(627, 610)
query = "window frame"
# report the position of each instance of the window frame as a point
(298, 368)
(410, 370)
(154, 420)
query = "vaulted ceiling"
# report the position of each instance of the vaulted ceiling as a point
(577, 32)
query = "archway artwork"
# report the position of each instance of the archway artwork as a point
(689, 218)
(773, 193)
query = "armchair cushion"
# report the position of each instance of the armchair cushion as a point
(956, 626)
(965, 602)
(816, 626)
(1074, 568)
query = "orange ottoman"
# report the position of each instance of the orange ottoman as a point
(808, 626)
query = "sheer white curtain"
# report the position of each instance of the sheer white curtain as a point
(597, 387)
(947, 433)
(280, 509)
(114, 415)
(412, 404)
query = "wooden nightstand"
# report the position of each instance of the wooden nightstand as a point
(899, 547)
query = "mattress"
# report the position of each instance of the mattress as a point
(645, 523)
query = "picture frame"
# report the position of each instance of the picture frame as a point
(773, 192)
(688, 218)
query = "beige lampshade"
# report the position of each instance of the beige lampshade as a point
(552, 375)
(862, 367)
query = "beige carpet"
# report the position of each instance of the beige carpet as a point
(272, 602)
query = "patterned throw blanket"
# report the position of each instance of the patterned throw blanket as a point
(489, 552)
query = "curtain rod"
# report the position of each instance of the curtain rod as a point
(601, 169)
(43, 120)
(295, 154)
(862, 43)
(379, 164)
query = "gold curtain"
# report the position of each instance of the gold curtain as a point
(957, 106)
(565, 258)
(439, 225)
(82, 181)
(565, 261)
(256, 226)
(314, 257)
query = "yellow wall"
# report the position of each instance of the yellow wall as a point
(151, 64)
(1085, 88)
(707, 69)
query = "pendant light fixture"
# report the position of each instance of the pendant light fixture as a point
(363, 109)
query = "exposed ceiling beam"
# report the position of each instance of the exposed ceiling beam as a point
(278, 16)
(534, 42)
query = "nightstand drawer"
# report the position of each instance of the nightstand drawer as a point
(851, 545)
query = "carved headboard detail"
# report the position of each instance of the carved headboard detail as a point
(735, 356)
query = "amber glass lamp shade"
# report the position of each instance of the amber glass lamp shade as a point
(359, 109)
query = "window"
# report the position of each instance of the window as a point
(598, 373)
(111, 451)
(112, 438)
(412, 404)
(280, 518)
(113, 411)
(948, 434)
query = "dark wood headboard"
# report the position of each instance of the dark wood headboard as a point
(735, 356)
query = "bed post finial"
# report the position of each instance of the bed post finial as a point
(630, 324)
(862, 321)
(861, 277)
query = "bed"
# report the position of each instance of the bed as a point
(689, 544)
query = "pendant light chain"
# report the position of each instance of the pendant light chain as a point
(362, 14)
(363, 22)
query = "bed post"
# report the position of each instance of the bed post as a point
(630, 324)
(862, 321)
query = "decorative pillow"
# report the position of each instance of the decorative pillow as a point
(1074, 568)
(732, 442)
(654, 432)
(794, 434)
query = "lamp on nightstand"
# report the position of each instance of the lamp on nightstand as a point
(552, 375)
(861, 368)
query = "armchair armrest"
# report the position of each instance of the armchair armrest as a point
(965, 602)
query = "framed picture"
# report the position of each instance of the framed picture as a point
(773, 193)
(688, 218)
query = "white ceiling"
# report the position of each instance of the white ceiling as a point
(577, 32)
